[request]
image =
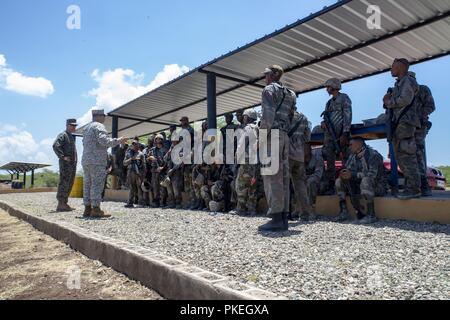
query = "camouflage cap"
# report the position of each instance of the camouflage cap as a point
(71, 122)
(276, 69)
(98, 112)
(184, 118)
(159, 136)
(251, 114)
(334, 83)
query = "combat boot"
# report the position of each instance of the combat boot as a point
(277, 223)
(63, 207)
(67, 204)
(408, 195)
(370, 216)
(343, 213)
(99, 213)
(87, 211)
(194, 205)
(294, 216)
(201, 205)
(129, 205)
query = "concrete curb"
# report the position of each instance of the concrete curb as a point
(172, 278)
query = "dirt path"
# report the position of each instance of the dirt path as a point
(35, 266)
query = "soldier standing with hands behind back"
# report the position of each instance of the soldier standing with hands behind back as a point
(402, 104)
(278, 105)
(65, 148)
(95, 156)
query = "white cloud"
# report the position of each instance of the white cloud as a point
(118, 86)
(17, 144)
(17, 82)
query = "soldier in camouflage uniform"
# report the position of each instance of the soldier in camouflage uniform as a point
(278, 106)
(156, 158)
(213, 175)
(314, 168)
(148, 196)
(364, 176)
(425, 107)
(95, 155)
(135, 163)
(175, 175)
(299, 136)
(66, 151)
(199, 177)
(401, 102)
(339, 110)
(246, 180)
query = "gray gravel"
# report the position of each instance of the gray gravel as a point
(320, 260)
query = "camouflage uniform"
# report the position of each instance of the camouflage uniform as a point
(136, 172)
(314, 171)
(299, 134)
(278, 105)
(159, 194)
(175, 173)
(199, 182)
(246, 187)
(425, 106)
(340, 111)
(368, 180)
(95, 156)
(403, 140)
(213, 175)
(64, 146)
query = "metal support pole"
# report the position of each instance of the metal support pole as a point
(212, 100)
(32, 178)
(115, 134)
(394, 170)
(115, 131)
(25, 180)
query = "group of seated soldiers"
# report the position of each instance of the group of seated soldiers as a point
(155, 181)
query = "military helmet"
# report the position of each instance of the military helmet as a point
(334, 83)
(165, 183)
(159, 136)
(145, 186)
(251, 114)
(215, 206)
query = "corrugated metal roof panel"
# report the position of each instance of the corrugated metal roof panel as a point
(334, 42)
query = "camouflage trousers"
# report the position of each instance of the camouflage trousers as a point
(329, 153)
(93, 184)
(218, 195)
(276, 186)
(159, 193)
(420, 136)
(134, 182)
(366, 187)
(188, 187)
(67, 172)
(176, 181)
(405, 150)
(313, 186)
(298, 177)
(246, 192)
(205, 194)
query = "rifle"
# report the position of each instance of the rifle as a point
(389, 123)
(332, 131)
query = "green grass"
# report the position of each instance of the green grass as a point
(46, 178)
(446, 171)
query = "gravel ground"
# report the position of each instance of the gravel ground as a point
(317, 260)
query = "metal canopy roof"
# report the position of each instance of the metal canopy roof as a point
(334, 42)
(22, 167)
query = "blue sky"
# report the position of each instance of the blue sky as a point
(130, 42)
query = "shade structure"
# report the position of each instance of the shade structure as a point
(334, 42)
